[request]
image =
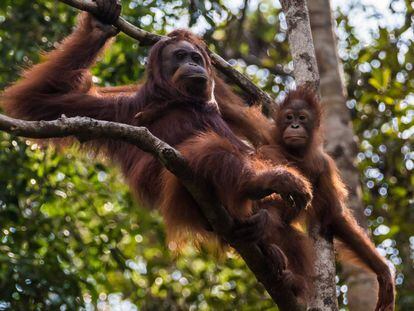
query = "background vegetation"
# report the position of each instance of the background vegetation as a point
(71, 236)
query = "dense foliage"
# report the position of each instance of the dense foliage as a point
(70, 234)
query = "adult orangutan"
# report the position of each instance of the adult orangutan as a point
(179, 75)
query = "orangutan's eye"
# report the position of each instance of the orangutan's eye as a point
(180, 55)
(302, 117)
(197, 58)
(289, 117)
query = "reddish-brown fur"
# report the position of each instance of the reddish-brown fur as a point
(247, 123)
(62, 85)
(250, 124)
(329, 194)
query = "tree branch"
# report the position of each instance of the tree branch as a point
(339, 135)
(146, 38)
(307, 74)
(85, 129)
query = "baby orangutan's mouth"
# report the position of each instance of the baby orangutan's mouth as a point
(295, 139)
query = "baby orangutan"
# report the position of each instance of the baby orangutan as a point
(298, 142)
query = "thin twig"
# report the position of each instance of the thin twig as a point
(276, 70)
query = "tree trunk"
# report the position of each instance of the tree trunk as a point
(341, 143)
(306, 73)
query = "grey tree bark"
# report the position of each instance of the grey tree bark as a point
(340, 140)
(306, 73)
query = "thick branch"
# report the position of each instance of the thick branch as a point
(301, 43)
(88, 129)
(146, 38)
(341, 142)
(306, 73)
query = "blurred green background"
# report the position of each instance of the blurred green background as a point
(71, 236)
